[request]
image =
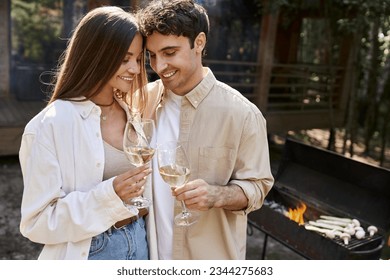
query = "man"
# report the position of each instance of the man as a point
(226, 136)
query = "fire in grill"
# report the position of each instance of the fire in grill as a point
(312, 184)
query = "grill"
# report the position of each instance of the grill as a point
(328, 184)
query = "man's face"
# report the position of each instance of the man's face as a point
(178, 66)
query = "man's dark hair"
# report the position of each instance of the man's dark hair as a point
(178, 17)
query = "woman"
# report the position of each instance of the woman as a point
(76, 176)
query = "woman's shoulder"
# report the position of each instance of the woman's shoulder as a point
(58, 110)
(54, 113)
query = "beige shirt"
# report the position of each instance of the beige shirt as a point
(227, 143)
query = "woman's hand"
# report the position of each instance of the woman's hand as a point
(131, 183)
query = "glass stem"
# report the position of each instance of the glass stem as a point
(183, 207)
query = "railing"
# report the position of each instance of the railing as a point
(238, 74)
(297, 87)
(293, 87)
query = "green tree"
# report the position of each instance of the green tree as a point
(36, 29)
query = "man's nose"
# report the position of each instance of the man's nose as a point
(161, 65)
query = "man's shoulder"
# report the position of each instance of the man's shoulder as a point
(234, 98)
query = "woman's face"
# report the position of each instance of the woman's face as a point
(130, 67)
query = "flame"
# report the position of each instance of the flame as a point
(297, 214)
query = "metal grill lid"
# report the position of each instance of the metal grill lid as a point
(357, 189)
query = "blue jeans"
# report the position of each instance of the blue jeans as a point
(127, 243)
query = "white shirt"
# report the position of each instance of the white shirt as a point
(62, 162)
(167, 130)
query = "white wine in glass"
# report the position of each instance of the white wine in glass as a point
(174, 169)
(138, 148)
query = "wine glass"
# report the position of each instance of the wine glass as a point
(138, 149)
(174, 169)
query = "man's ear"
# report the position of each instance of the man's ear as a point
(200, 42)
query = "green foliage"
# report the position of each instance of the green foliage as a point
(36, 28)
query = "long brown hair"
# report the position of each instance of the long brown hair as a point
(95, 52)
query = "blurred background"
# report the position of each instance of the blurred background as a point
(319, 70)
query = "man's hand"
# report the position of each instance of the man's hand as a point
(199, 195)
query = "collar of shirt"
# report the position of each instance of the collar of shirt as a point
(196, 95)
(85, 107)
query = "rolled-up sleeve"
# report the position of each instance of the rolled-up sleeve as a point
(253, 172)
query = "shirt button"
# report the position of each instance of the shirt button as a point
(97, 134)
(98, 164)
(83, 254)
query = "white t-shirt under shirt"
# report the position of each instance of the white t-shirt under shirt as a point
(167, 129)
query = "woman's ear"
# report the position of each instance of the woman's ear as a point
(200, 42)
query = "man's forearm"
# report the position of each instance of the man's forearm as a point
(230, 197)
